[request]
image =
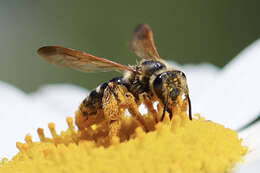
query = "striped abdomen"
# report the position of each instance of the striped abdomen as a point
(93, 102)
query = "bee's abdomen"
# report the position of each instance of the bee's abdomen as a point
(93, 102)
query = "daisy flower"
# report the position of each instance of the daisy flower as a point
(227, 96)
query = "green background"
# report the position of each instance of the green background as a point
(185, 31)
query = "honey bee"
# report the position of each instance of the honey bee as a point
(148, 81)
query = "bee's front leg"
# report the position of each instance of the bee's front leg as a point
(147, 100)
(134, 111)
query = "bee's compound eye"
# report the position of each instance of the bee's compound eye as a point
(182, 74)
(158, 84)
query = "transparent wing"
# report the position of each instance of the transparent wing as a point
(79, 60)
(142, 43)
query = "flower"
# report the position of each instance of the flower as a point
(174, 146)
(228, 96)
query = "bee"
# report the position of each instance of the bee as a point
(148, 81)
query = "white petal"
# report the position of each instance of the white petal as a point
(251, 137)
(233, 99)
(19, 115)
(252, 167)
(63, 98)
(199, 78)
(23, 114)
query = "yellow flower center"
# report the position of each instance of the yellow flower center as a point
(177, 145)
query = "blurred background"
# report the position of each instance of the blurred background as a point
(187, 32)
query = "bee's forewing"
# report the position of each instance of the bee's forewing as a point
(79, 60)
(142, 43)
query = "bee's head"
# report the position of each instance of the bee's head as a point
(168, 86)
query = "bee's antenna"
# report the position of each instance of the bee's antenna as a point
(164, 110)
(165, 107)
(190, 113)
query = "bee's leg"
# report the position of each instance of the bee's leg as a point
(114, 127)
(134, 111)
(126, 100)
(149, 105)
(111, 110)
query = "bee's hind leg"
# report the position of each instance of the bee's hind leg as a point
(111, 110)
